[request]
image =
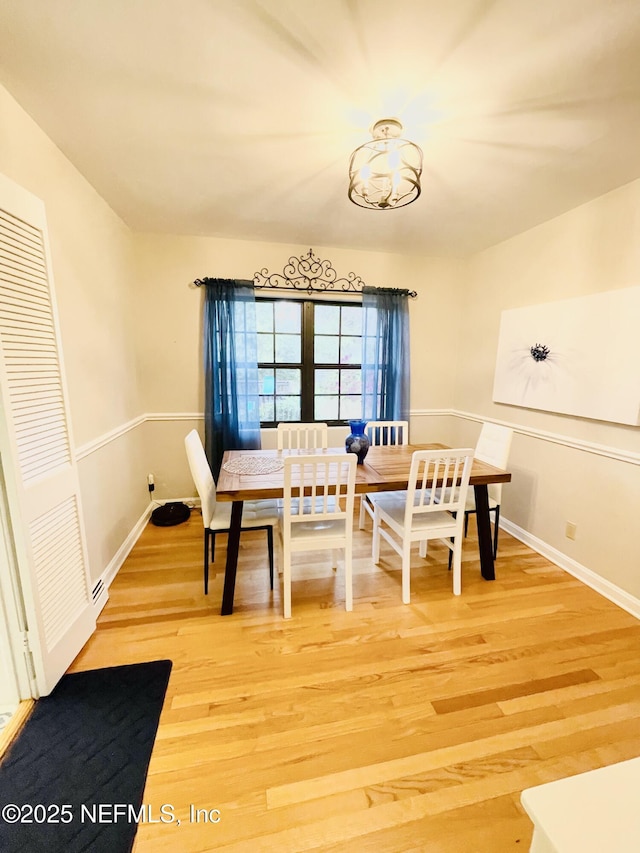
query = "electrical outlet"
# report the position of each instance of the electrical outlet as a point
(571, 530)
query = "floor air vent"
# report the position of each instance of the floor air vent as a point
(99, 595)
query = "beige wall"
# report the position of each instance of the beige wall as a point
(587, 250)
(169, 339)
(91, 251)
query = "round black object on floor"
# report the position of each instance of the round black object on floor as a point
(170, 514)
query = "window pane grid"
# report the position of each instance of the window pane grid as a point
(321, 377)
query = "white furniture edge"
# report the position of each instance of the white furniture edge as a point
(591, 812)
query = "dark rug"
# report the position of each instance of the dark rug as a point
(73, 779)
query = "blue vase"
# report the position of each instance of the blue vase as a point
(358, 441)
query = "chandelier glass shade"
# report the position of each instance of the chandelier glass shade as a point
(385, 173)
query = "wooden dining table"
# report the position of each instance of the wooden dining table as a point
(385, 468)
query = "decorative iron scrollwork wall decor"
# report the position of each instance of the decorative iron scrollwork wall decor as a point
(311, 274)
(306, 273)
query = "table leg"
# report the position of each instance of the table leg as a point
(233, 544)
(485, 545)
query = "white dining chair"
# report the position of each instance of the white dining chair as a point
(432, 510)
(302, 436)
(383, 432)
(324, 520)
(216, 515)
(494, 447)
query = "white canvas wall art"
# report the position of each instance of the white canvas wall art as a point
(577, 357)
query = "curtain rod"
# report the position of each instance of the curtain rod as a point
(310, 274)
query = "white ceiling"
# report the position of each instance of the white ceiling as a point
(236, 118)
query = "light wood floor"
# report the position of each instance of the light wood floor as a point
(391, 728)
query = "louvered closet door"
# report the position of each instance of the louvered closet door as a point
(37, 452)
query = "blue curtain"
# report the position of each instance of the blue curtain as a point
(385, 354)
(231, 412)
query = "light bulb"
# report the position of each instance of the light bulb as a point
(394, 159)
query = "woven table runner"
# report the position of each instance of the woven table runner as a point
(253, 465)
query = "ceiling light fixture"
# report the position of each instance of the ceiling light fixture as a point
(385, 173)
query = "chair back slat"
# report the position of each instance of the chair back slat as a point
(432, 477)
(202, 476)
(387, 432)
(319, 487)
(302, 436)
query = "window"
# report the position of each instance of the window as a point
(309, 356)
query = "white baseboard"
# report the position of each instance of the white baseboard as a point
(101, 586)
(105, 580)
(607, 589)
